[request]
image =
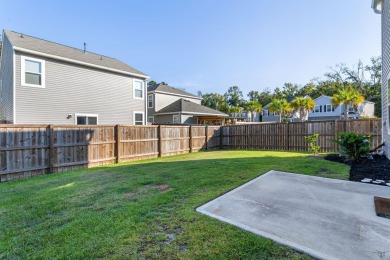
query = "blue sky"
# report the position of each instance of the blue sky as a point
(209, 45)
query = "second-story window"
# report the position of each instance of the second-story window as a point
(317, 109)
(33, 72)
(329, 108)
(150, 101)
(265, 113)
(138, 88)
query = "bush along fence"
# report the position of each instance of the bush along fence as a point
(30, 150)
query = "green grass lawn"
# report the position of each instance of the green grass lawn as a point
(144, 209)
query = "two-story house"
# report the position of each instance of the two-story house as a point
(324, 110)
(43, 82)
(169, 105)
(383, 7)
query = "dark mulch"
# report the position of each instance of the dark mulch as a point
(375, 169)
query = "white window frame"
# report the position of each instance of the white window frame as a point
(23, 72)
(143, 117)
(351, 109)
(265, 112)
(152, 99)
(173, 119)
(86, 115)
(143, 89)
(315, 108)
(331, 108)
(151, 117)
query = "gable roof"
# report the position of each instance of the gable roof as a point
(188, 107)
(29, 44)
(171, 90)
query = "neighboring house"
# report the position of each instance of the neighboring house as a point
(269, 116)
(383, 7)
(169, 105)
(324, 110)
(43, 82)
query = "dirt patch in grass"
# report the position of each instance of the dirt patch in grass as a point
(163, 187)
(374, 171)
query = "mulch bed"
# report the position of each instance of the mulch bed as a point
(376, 169)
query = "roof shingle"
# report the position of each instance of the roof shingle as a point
(186, 106)
(165, 88)
(46, 47)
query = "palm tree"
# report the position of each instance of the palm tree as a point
(347, 96)
(235, 110)
(303, 106)
(280, 106)
(253, 107)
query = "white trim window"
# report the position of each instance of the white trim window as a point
(150, 101)
(351, 109)
(138, 88)
(32, 72)
(151, 119)
(138, 118)
(317, 109)
(329, 108)
(265, 112)
(176, 119)
(86, 119)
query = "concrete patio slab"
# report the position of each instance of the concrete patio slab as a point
(325, 218)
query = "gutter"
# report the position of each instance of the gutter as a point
(79, 62)
(375, 4)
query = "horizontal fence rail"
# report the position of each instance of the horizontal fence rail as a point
(31, 150)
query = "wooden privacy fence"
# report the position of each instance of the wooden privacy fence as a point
(291, 136)
(30, 150)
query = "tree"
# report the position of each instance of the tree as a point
(347, 96)
(290, 90)
(303, 106)
(280, 106)
(265, 97)
(253, 95)
(253, 107)
(234, 96)
(235, 109)
(215, 101)
(152, 82)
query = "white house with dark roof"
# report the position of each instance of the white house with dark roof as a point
(382, 7)
(43, 82)
(169, 105)
(324, 110)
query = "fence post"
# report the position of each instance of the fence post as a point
(51, 148)
(159, 136)
(288, 136)
(207, 137)
(221, 137)
(191, 140)
(117, 144)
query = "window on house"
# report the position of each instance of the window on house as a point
(351, 109)
(138, 118)
(151, 119)
(86, 119)
(265, 113)
(317, 109)
(176, 119)
(150, 101)
(138, 88)
(329, 108)
(33, 72)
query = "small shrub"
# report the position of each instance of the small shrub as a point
(311, 142)
(354, 146)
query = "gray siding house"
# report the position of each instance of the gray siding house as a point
(383, 7)
(43, 82)
(169, 105)
(324, 110)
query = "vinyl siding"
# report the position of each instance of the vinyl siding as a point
(163, 119)
(385, 73)
(188, 119)
(7, 81)
(72, 89)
